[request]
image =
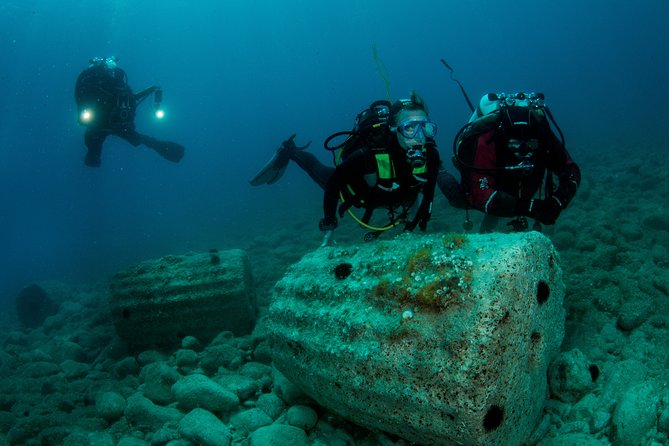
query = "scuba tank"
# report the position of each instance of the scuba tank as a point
(370, 129)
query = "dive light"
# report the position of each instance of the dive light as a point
(159, 112)
(86, 116)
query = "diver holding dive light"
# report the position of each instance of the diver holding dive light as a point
(107, 105)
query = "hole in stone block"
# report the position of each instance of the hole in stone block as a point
(125, 313)
(343, 270)
(493, 418)
(594, 372)
(543, 291)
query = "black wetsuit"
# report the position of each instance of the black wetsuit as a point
(357, 178)
(106, 93)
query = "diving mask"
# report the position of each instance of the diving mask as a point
(109, 62)
(411, 129)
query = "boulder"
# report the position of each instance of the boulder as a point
(636, 414)
(110, 406)
(33, 305)
(302, 416)
(194, 391)
(140, 411)
(279, 435)
(204, 428)
(571, 375)
(250, 420)
(158, 378)
(439, 339)
(274, 406)
(159, 302)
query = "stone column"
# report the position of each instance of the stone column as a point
(440, 339)
(158, 302)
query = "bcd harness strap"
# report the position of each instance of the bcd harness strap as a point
(386, 176)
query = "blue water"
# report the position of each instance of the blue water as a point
(239, 76)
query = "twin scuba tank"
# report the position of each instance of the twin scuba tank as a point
(511, 115)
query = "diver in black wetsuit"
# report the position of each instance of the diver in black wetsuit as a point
(107, 106)
(399, 176)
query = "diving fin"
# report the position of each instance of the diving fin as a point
(275, 168)
(272, 171)
(171, 151)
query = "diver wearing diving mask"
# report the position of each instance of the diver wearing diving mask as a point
(389, 161)
(413, 133)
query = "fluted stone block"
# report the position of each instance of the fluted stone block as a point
(440, 339)
(158, 302)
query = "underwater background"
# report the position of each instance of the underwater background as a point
(239, 77)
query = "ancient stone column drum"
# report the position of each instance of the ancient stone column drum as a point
(440, 339)
(158, 302)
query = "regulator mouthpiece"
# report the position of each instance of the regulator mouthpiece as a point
(416, 156)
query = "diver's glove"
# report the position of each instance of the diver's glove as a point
(545, 211)
(328, 225)
(328, 239)
(421, 223)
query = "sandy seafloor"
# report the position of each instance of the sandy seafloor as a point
(614, 247)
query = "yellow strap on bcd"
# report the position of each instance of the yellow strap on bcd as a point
(420, 170)
(385, 166)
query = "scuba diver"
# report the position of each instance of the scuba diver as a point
(107, 105)
(388, 161)
(504, 154)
